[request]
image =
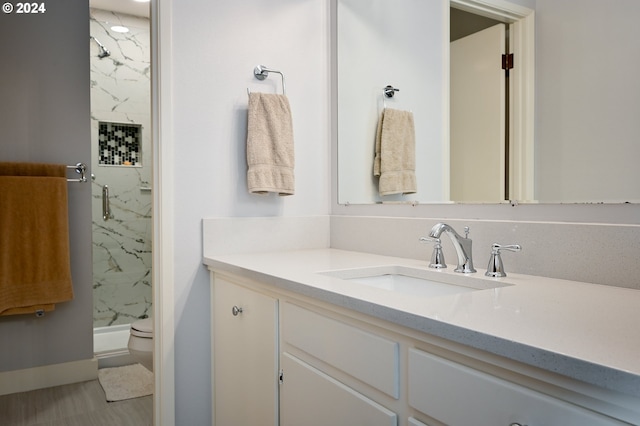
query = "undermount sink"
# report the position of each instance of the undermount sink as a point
(414, 281)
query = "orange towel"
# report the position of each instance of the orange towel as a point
(35, 270)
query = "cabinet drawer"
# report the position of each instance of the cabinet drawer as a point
(311, 398)
(369, 358)
(458, 395)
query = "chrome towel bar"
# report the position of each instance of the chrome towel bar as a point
(81, 169)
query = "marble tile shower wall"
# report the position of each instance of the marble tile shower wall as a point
(120, 93)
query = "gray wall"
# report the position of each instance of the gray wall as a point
(44, 117)
(587, 101)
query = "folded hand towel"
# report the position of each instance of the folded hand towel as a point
(395, 161)
(270, 153)
(35, 270)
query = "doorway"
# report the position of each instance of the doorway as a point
(515, 179)
(121, 165)
(478, 108)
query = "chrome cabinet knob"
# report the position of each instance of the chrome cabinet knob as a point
(236, 310)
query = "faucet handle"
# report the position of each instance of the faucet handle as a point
(496, 267)
(437, 257)
(466, 232)
(512, 247)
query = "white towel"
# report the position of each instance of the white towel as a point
(270, 153)
(395, 160)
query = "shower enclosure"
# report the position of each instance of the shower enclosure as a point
(121, 175)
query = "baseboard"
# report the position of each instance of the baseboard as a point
(114, 359)
(47, 376)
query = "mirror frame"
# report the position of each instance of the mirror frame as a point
(614, 213)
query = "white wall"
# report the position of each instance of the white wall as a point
(215, 46)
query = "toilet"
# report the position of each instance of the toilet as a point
(141, 342)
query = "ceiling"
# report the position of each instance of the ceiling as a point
(129, 7)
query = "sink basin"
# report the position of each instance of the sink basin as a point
(411, 285)
(414, 281)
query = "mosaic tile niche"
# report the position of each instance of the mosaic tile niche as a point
(119, 144)
(121, 148)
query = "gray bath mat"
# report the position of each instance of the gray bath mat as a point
(130, 381)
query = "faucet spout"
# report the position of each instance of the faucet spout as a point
(460, 243)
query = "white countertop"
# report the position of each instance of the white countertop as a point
(584, 331)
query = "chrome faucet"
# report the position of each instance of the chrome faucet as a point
(437, 257)
(460, 243)
(496, 267)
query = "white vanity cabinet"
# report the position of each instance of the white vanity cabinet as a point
(245, 355)
(280, 358)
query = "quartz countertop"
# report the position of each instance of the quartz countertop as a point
(588, 332)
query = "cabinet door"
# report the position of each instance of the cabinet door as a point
(311, 398)
(245, 356)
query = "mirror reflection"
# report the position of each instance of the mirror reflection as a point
(575, 142)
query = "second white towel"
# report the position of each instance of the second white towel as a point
(395, 159)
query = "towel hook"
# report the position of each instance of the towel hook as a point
(389, 92)
(261, 72)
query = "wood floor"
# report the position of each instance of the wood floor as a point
(79, 404)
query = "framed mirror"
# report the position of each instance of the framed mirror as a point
(583, 122)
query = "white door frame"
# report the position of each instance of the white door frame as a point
(163, 218)
(521, 85)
